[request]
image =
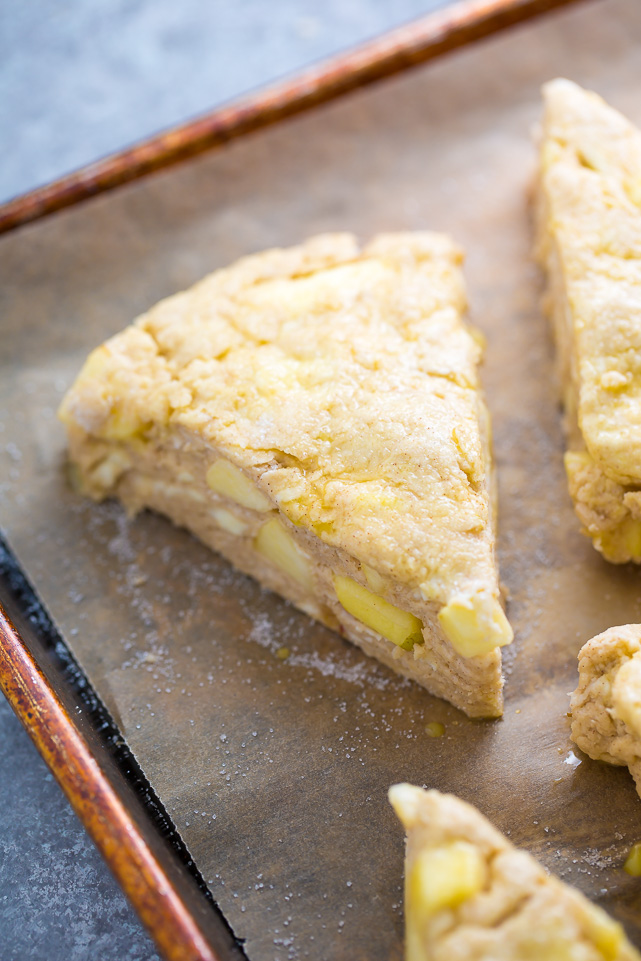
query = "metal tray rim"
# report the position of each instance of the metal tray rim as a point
(409, 45)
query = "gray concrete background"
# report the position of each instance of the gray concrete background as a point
(80, 79)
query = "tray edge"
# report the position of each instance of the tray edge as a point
(409, 45)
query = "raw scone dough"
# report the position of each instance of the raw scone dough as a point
(470, 895)
(315, 415)
(606, 706)
(589, 241)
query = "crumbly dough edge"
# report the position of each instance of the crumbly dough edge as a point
(598, 727)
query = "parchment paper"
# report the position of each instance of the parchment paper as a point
(276, 770)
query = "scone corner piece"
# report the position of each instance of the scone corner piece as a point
(471, 895)
(314, 414)
(589, 243)
(606, 706)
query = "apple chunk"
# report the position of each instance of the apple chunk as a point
(275, 543)
(400, 627)
(226, 479)
(475, 625)
(444, 877)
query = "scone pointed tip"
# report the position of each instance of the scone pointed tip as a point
(407, 801)
(558, 85)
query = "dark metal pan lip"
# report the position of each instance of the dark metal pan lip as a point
(68, 723)
(101, 778)
(406, 46)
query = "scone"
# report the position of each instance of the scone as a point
(606, 706)
(314, 414)
(470, 895)
(589, 241)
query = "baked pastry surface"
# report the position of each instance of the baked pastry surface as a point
(470, 895)
(314, 414)
(589, 241)
(606, 706)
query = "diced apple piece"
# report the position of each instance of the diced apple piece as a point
(111, 468)
(632, 864)
(374, 579)
(177, 491)
(626, 693)
(400, 627)
(279, 547)
(229, 522)
(606, 933)
(623, 541)
(444, 877)
(122, 424)
(475, 625)
(226, 479)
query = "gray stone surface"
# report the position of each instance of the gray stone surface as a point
(79, 79)
(58, 901)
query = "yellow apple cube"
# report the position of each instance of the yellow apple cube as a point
(475, 625)
(229, 522)
(400, 627)
(226, 479)
(632, 864)
(275, 543)
(607, 933)
(444, 877)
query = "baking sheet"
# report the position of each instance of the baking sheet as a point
(276, 770)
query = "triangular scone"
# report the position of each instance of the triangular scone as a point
(314, 414)
(606, 706)
(470, 895)
(589, 240)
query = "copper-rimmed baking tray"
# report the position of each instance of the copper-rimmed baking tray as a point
(407, 46)
(303, 856)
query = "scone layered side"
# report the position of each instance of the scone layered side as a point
(340, 386)
(589, 241)
(470, 895)
(606, 706)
